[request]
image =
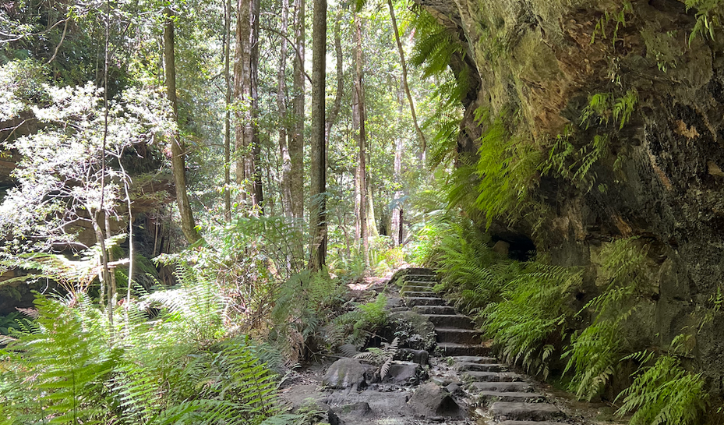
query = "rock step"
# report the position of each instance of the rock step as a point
(503, 410)
(406, 289)
(515, 397)
(419, 281)
(479, 367)
(457, 335)
(530, 423)
(419, 271)
(453, 349)
(492, 377)
(504, 387)
(474, 359)
(419, 294)
(427, 301)
(434, 309)
(450, 321)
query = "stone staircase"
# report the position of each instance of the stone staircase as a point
(509, 397)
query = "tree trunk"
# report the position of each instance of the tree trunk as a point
(246, 99)
(334, 113)
(255, 161)
(396, 222)
(286, 187)
(227, 116)
(358, 122)
(420, 135)
(296, 143)
(178, 156)
(371, 219)
(317, 211)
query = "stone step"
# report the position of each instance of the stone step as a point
(480, 367)
(419, 271)
(487, 397)
(504, 387)
(474, 359)
(460, 336)
(419, 294)
(428, 301)
(424, 280)
(434, 309)
(503, 410)
(454, 349)
(492, 377)
(450, 321)
(407, 289)
(530, 423)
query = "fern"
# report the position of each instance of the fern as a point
(708, 17)
(507, 167)
(597, 350)
(381, 357)
(665, 393)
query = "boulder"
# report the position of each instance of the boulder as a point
(347, 373)
(402, 373)
(433, 401)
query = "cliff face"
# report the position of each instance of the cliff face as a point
(661, 175)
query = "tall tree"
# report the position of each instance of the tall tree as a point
(419, 132)
(397, 211)
(296, 142)
(178, 155)
(227, 115)
(246, 96)
(317, 210)
(286, 186)
(358, 125)
(337, 105)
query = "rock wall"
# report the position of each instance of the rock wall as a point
(661, 178)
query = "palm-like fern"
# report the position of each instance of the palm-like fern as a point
(381, 357)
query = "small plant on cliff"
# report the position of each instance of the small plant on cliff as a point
(708, 17)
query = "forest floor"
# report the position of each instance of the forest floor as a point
(439, 392)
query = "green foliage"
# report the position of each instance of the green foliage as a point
(304, 304)
(527, 323)
(619, 19)
(472, 273)
(364, 320)
(14, 321)
(435, 45)
(75, 368)
(708, 17)
(664, 393)
(507, 167)
(597, 350)
(380, 357)
(57, 374)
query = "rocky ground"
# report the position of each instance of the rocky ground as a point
(460, 383)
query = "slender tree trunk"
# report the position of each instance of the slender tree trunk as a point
(334, 113)
(396, 222)
(358, 121)
(178, 156)
(286, 187)
(254, 165)
(296, 143)
(246, 99)
(371, 219)
(227, 116)
(318, 204)
(420, 135)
